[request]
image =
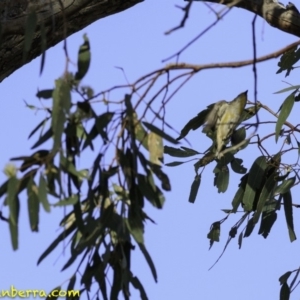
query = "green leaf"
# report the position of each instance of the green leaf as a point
(101, 125)
(84, 58)
(194, 188)
(240, 239)
(175, 163)
(284, 113)
(255, 178)
(68, 167)
(238, 136)
(190, 151)
(53, 295)
(3, 188)
(283, 278)
(285, 292)
(285, 186)
(237, 200)
(214, 233)
(45, 94)
(138, 285)
(156, 148)
(140, 133)
(268, 219)
(265, 195)
(13, 226)
(149, 260)
(12, 200)
(150, 190)
(42, 193)
(237, 167)
(61, 106)
(71, 286)
(291, 88)
(288, 59)
(53, 245)
(288, 211)
(31, 22)
(221, 179)
(33, 205)
(159, 132)
(38, 127)
(68, 201)
(45, 137)
(164, 179)
(177, 152)
(136, 231)
(249, 227)
(195, 123)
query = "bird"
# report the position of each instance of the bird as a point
(223, 119)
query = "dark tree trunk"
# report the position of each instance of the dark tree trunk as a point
(52, 13)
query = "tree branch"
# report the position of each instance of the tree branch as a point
(78, 13)
(276, 14)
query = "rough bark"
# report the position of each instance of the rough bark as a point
(276, 14)
(52, 13)
(81, 13)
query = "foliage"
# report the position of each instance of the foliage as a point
(106, 218)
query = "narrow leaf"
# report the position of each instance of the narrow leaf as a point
(156, 148)
(195, 123)
(285, 186)
(53, 245)
(37, 127)
(138, 285)
(221, 179)
(194, 188)
(267, 221)
(237, 167)
(84, 58)
(45, 137)
(14, 226)
(255, 177)
(291, 88)
(33, 205)
(12, 200)
(71, 286)
(149, 260)
(177, 152)
(159, 132)
(284, 113)
(42, 193)
(175, 163)
(288, 211)
(240, 240)
(45, 94)
(61, 106)
(285, 292)
(68, 201)
(214, 233)
(53, 295)
(265, 194)
(249, 227)
(283, 278)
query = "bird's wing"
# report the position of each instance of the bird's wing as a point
(214, 115)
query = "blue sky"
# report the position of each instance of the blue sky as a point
(135, 41)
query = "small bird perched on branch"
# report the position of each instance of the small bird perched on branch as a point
(223, 119)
